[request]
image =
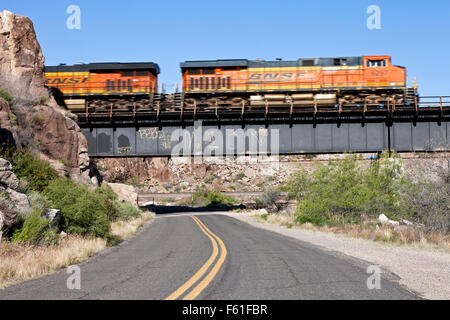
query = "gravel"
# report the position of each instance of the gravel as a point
(425, 271)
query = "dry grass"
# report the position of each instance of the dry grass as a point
(368, 230)
(20, 262)
(126, 229)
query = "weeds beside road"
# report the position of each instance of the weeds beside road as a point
(23, 261)
(91, 218)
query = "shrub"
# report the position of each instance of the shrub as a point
(5, 95)
(128, 212)
(344, 193)
(42, 100)
(36, 230)
(210, 178)
(204, 197)
(38, 201)
(269, 197)
(36, 119)
(109, 201)
(106, 191)
(427, 203)
(239, 176)
(25, 165)
(83, 211)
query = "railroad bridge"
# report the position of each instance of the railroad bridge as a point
(424, 126)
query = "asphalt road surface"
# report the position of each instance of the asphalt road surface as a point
(213, 256)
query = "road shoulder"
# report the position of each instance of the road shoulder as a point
(424, 271)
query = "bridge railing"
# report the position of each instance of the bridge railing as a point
(434, 102)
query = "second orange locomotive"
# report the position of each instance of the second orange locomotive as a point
(322, 81)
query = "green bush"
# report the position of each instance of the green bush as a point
(341, 192)
(107, 191)
(209, 179)
(239, 176)
(269, 197)
(38, 201)
(5, 95)
(36, 230)
(36, 172)
(109, 201)
(83, 211)
(428, 203)
(204, 197)
(127, 211)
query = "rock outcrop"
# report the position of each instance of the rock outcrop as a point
(125, 193)
(39, 123)
(13, 203)
(21, 59)
(59, 138)
(163, 175)
(8, 133)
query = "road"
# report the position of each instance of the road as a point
(212, 256)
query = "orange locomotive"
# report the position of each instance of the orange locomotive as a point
(320, 81)
(104, 83)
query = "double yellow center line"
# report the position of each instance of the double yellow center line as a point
(216, 243)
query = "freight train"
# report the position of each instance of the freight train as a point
(320, 82)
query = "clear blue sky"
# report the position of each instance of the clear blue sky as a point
(415, 33)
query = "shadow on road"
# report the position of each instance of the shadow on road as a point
(159, 209)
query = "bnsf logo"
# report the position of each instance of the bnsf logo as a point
(264, 76)
(66, 80)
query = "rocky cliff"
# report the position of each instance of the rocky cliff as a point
(34, 120)
(21, 59)
(12, 202)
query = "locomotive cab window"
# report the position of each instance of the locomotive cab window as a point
(127, 73)
(142, 73)
(376, 63)
(208, 71)
(193, 71)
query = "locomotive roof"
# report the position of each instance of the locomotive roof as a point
(104, 66)
(335, 61)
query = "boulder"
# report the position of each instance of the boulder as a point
(386, 221)
(261, 211)
(54, 215)
(125, 193)
(7, 177)
(39, 122)
(8, 131)
(20, 201)
(21, 58)
(8, 214)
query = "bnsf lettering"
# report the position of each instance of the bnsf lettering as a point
(255, 76)
(66, 80)
(271, 76)
(288, 75)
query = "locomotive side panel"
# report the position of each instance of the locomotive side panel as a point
(350, 80)
(99, 85)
